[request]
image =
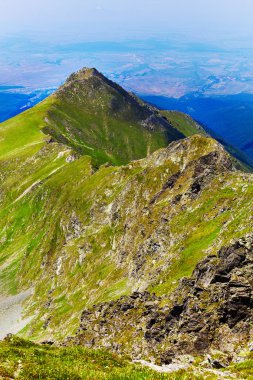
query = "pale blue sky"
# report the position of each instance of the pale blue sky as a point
(108, 19)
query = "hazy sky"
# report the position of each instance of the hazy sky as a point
(102, 19)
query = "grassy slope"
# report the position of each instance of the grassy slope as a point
(183, 123)
(20, 359)
(97, 117)
(22, 134)
(103, 138)
(24, 360)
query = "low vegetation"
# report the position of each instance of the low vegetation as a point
(20, 359)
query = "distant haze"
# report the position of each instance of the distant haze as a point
(115, 19)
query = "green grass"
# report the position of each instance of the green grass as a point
(82, 117)
(243, 370)
(183, 123)
(24, 360)
(22, 135)
(104, 123)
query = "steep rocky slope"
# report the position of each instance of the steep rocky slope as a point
(78, 231)
(211, 310)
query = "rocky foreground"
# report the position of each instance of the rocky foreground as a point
(212, 310)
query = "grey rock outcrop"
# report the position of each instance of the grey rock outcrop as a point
(211, 310)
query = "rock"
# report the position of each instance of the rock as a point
(190, 322)
(215, 363)
(48, 342)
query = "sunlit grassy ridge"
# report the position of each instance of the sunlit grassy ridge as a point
(22, 134)
(183, 123)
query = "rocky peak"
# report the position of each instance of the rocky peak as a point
(84, 74)
(202, 152)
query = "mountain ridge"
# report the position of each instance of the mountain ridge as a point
(84, 230)
(99, 111)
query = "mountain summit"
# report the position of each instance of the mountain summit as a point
(96, 116)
